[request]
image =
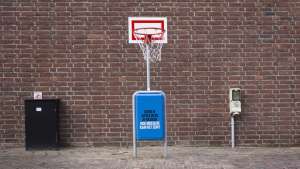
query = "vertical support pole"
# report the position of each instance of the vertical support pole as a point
(232, 132)
(148, 66)
(166, 131)
(133, 127)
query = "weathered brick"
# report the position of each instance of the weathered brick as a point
(78, 52)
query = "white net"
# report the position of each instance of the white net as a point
(154, 51)
(150, 40)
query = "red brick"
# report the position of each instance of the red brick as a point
(78, 51)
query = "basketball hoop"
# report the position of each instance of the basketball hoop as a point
(149, 33)
(150, 41)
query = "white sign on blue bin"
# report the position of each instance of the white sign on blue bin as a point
(149, 116)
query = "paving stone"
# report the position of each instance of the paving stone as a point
(151, 158)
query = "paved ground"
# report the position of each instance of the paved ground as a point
(150, 158)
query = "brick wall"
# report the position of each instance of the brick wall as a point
(77, 51)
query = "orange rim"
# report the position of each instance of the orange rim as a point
(148, 37)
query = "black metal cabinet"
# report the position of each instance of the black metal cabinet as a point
(41, 123)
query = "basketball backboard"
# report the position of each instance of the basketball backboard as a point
(147, 24)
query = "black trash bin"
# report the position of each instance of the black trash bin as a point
(41, 124)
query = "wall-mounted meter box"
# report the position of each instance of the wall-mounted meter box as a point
(235, 101)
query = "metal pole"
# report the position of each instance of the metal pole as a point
(148, 66)
(232, 131)
(166, 130)
(133, 127)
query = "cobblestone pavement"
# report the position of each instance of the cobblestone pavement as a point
(151, 158)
